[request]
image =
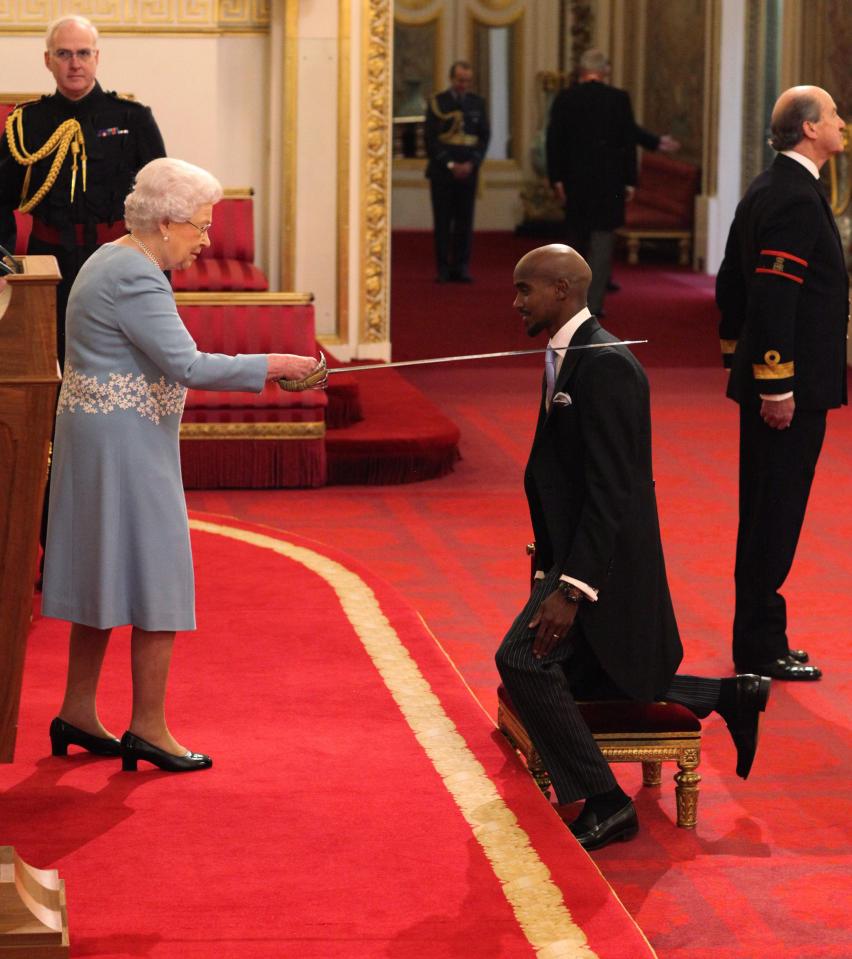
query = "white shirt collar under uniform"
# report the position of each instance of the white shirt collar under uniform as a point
(806, 162)
(565, 334)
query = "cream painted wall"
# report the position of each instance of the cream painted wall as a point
(317, 159)
(222, 132)
(721, 207)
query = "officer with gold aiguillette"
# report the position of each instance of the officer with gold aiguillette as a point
(456, 134)
(69, 159)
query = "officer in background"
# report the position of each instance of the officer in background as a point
(457, 134)
(69, 159)
(783, 293)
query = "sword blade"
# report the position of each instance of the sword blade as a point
(473, 356)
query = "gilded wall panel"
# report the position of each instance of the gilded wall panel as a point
(111, 16)
(673, 99)
(376, 174)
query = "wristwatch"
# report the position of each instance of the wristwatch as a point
(570, 592)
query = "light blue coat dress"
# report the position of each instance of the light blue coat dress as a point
(118, 548)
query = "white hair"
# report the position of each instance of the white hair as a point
(593, 61)
(55, 25)
(168, 189)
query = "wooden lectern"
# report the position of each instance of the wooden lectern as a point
(33, 919)
(29, 377)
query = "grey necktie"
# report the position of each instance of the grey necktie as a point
(550, 373)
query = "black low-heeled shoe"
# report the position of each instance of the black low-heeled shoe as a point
(133, 749)
(63, 735)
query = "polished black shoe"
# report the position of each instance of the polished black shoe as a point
(63, 735)
(742, 716)
(612, 286)
(798, 655)
(789, 669)
(618, 827)
(133, 749)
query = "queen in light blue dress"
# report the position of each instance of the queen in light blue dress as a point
(118, 550)
(118, 541)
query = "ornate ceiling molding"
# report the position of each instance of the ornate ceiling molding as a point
(141, 16)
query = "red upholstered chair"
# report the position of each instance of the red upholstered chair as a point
(227, 265)
(626, 731)
(663, 207)
(247, 440)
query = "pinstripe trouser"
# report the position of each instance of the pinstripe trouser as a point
(543, 695)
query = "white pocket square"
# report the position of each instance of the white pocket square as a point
(561, 399)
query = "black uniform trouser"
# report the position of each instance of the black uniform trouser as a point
(776, 472)
(544, 693)
(452, 212)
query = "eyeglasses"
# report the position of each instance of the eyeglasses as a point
(65, 55)
(203, 230)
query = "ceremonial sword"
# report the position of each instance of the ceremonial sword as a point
(316, 378)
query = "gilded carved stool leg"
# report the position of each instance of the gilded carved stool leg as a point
(539, 773)
(652, 772)
(686, 788)
(633, 250)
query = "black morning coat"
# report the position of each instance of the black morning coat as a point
(783, 291)
(591, 150)
(590, 489)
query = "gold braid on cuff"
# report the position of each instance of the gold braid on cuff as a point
(315, 380)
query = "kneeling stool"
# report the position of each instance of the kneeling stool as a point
(626, 731)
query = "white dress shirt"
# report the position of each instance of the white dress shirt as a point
(558, 342)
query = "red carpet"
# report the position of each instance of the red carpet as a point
(360, 803)
(670, 303)
(403, 437)
(764, 872)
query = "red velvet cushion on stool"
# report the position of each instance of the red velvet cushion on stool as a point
(626, 716)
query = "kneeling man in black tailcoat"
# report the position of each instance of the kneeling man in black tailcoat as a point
(599, 622)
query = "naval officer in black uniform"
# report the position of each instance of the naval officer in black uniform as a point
(783, 292)
(457, 134)
(72, 159)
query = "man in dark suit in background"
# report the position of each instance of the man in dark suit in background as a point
(591, 164)
(783, 291)
(457, 134)
(599, 622)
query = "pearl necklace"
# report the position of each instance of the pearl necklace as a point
(146, 251)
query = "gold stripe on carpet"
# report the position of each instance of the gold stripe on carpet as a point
(535, 899)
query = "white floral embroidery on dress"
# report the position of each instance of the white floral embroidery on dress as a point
(123, 391)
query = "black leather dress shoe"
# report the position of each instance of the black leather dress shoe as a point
(612, 286)
(789, 669)
(618, 827)
(133, 749)
(742, 717)
(799, 655)
(63, 735)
